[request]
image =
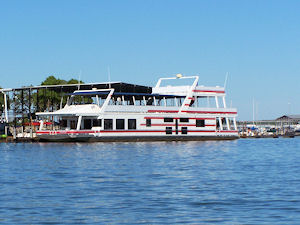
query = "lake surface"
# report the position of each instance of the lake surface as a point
(247, 181)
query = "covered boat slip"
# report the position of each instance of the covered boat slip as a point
(22, 103)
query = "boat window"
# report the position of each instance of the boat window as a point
(168, 130)
(231, 123)
(131, 124)
(170, 102)
(63, 123)
(218, 123)
(97, 123)
(81, 100)
(184, 120)
(148, 122)
(221, 103)
(73, 124)
(200, 123)
(87, 124)
(108, 124)
(184, 130)
(211, 101)
(224, 124)
(120, 124)
(201, 102)
(168, 120)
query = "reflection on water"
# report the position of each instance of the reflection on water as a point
(226, 182)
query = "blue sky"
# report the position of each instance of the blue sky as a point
(257, 42)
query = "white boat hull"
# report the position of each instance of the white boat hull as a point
(133, 136)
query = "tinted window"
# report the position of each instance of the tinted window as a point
(148, 122)
(87, 124)
(200, 123)
(184, 120)
(168, 120)
(108, 124)
(97, 123)
(131, 124)
(168, 130)
(120, 124)
(73, 124)
(63, 123)
(184, 130)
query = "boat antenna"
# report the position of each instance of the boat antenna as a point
(256, 111)
(253, 118)
(108, 72)
(79, 79)
(226, 78)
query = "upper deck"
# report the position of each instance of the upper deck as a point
(192, 99)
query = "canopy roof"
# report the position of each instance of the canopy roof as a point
(289, 117)
(68, 88)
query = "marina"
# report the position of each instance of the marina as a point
(117, 111)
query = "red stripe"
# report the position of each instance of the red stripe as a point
(208, 91)
(130, 131)
(191, 98)
(203, 118)
(181, 125)
(186, 104)
(156, 117)
(191, 118)
(228, 131)
(125, 131)
(102, 131)
(68, 132)
(175, 111)
(165, 111)
(212, 112)
(201, 131)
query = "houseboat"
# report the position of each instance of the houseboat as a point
(179, 112)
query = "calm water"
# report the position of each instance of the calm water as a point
(227, 182)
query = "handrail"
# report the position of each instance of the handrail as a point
(175, 78)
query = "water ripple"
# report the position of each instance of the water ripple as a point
(223, 182)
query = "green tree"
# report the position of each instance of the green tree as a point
(74, 81)
(50, 99)
(51, 80)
